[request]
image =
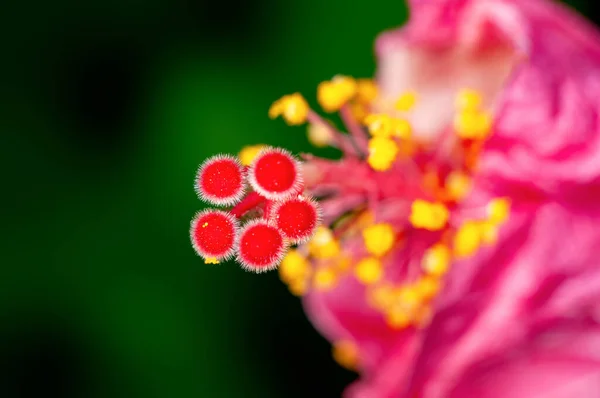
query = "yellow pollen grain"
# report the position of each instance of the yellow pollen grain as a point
(298, 287)
(498, 210)
(472, 125)
(440, 215)
(328, 250)
(382, 297)
(293, 108)
(205, 224)
(369, 270)
(346, 354)
(458, 185)
(324, 279)
(382, 153)
(428, 287)
(406, 101)
(379, 238)
(319, 135)
(211, 260)
(334, 94)
(430, 216)
(420, 213)
(323, 244)
(489, 233)
(366, 90)
(322, 236)
(401, 128)
(408, 297)
(293, 266)
(359, 111)
(436, 260)
(467, 239)
(379, 125)
(248, 153)
(397, 318)
(468, 99)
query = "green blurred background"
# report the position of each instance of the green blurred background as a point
(108, 108)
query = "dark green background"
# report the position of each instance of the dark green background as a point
(107, 109)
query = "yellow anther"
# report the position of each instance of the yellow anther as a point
(319, 135)
(458, 185)
(428, 287)
(408, 297)
(379, 125)
(211, 260)
(430, 216)
(436, 260)
(248, 153)
(293, 108)
(345, 353)
(440, 216)
(328, 250)
(382, 297)
(406, 101)
(298, 287)
(324, 279)
(397, 318)
(467, 239)
(360, 111)
(294, 266)
(382, 153)
(401, 128)
(322, 236)
(334, 94)
(369, 270)
(473, 124)
(498, 210)
(420, 213)
(323, 244)
(489, 233)
(366, 90)
(379, 238)
(468, 99)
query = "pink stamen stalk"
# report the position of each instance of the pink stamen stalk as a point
(340, 141)
(355, 130)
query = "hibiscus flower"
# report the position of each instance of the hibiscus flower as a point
(452, 250)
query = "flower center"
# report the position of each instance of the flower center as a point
(396, 210)
(408, 215)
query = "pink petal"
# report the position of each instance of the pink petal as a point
(562, 363)
(547, 137)
(541, 272)
(343, 314)
(447, 46)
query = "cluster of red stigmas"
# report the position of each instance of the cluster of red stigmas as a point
(262, 221)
